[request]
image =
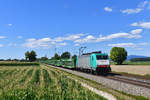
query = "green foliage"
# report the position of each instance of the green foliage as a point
(31, 56)
(44, 58)
(27, 55)
(56, 57)
(140, 59)
(19, 94)
(65, 55)
(19, 63)
(147, 75)
(118, 55)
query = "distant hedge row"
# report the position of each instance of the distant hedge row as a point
(140, 59)
(19, 64)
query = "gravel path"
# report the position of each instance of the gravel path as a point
(117, 85)
(101, 93)
(133, 69)
(98, 92)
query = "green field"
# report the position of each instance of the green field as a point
(40, 83)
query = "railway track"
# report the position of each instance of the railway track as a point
(131, 80)
(131, 85)
(123, 78)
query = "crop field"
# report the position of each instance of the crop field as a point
(40, 83)
(132, 69)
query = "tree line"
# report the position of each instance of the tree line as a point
(65, 55)
(31, 56)
(140, 59)
(117, 54)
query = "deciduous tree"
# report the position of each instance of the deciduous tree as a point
(118, 55)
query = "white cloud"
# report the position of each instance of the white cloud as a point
(62, 44)
(69, 37)
(31, 39)
(134, 24)
(1, 45)
(130, 45)
(42, 43)
(49, 42)
(77, 45)
(122, 45)
(2, 37)
(143, 4)
(142, 24)
(19, 37)
(144, 44)
(139, 48)
(132, 11)
(88, 38)
(77, 39)
(136, 31)
(108, 9)
(9, 24)
(12, 44)
(101, 38)
(38, 43)
(118, 35)
(138, 9)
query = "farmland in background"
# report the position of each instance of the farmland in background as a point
(40, 82)
(133, 63)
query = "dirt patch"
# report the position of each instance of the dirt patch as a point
(133, 69)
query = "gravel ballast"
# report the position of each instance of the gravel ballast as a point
(117, 85)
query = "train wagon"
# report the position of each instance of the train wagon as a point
(67, 63)
(97, 62)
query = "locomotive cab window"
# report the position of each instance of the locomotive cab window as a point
(99, 57)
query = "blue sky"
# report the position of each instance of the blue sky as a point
(43, 25)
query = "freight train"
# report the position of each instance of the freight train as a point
(95, 62)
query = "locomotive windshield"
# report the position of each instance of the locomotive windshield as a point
(101, 57)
